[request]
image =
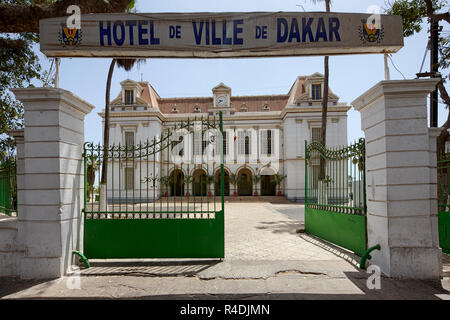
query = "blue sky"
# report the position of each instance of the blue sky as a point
(350, 75)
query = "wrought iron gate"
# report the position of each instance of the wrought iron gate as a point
(8, 189)
(444, 202)
(335, 195)
(152, 207)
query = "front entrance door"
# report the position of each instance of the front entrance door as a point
(245, 185)
(268, 185)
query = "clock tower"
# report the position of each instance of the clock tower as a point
(222, 97)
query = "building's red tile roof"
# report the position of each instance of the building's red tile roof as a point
(253, 103)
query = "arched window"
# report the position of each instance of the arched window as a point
(266, 108)
(244, 108)
(174, 109)
(197, 109)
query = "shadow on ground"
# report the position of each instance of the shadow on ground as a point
(184, 268)
(290, 227)
(10, 285)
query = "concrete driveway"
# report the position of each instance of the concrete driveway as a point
(269, 231)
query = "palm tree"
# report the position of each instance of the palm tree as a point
(187, 181)
(256, 179)
(126, 64)
(324, 102)
(166, 182)
(278, 179)
(233, 178)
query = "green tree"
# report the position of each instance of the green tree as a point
(19, 65)
(414, 13)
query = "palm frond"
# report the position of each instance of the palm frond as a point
(128, 64)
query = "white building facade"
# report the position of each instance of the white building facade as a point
(264, 137)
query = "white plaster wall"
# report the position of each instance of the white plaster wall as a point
(9, 251)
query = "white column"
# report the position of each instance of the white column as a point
(50, 207)
(401, 178)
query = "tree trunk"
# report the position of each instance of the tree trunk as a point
(106, 139)
(323, 134)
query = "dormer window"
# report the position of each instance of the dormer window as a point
(266, 108)
(174, 110)
(316, 90)
(197, 109)
(129, 97)
(244, 108)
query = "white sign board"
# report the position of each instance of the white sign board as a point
(221, 35)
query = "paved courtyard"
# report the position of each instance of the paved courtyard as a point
(269, 231)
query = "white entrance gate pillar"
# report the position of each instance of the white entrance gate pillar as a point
(401, 178)
(51, 199)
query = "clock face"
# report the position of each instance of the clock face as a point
(221, 101)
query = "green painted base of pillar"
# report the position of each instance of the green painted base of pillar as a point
(444, 231)
(345, 230)
(154, 238)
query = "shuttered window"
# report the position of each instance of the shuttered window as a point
(224, 143)
(129, 97)
(316, 134)
(266, 142)
(198, 143)
(316, 92)
(129, 139)
(244, 143)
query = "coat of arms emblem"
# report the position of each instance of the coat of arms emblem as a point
(371, 32)
(69, 37)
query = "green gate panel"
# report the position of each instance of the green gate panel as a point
(444, 231)
(6, 203)
(345, 230)
(154, 238)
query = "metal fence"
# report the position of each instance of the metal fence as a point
(443, 165)
(159, 200)
(335, 178)
(175, 172)
(8, 189)
(335, 195)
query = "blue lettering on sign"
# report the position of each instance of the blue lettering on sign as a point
(294, 33)
(237, 31)
(198, 31)
(105, 32)
(224, 34)
(281, 37)
(120, 36)
(175, 32)
(261, 32)
(142, 32)
(117, 40)
(321, 32)
(334, 29)
(153, 38)
(306, 29)
(290, 30)
(131, 24)
(203, 33)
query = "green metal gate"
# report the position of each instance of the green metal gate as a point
(8, 189)
(444, 202)
(335, 195)
(152, 207)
